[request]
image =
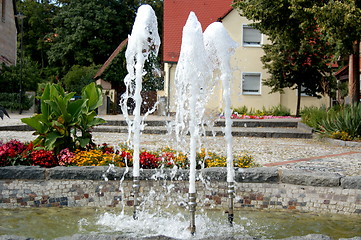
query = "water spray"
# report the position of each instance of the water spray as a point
(220, 47)
(192, 79)
(143, 42)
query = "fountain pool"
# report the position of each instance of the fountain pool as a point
(50, 223)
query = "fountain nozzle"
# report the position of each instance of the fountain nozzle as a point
(136, 187)
(192, 209)
(230, 203)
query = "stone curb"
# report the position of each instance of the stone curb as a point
(343, 143)
(310, 179)
(23, 172)
(251, 175)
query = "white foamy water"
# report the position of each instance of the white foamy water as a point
(143, 42)
(220, 48)
(169, 224)
(191, 78)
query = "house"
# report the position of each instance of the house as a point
(342, 77)
(8, 32)
(246, 83)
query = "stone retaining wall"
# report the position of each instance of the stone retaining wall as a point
(256, 188)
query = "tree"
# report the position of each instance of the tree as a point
(37, 27)
(340, 21)
(10, 75)
(88, 31)
(298, 57)
(78, 77)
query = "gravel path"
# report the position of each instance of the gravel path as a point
(315, 155)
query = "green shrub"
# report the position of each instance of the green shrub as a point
(241, 110)
(313, 116)
(347, 120)
(278, 110)
(78, 77)
(61, 119)
(11, 101)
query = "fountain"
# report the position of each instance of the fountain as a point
(220, 47)
(204, 59)
(143, 42)
(192, 74)
(199, 59)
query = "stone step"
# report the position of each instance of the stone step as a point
(267, 128)
(221, 123)
(264, 132)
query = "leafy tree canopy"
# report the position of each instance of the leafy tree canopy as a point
(299, 56)
(78, 77)
(10, 77)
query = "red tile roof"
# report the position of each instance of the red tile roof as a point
(175, 16)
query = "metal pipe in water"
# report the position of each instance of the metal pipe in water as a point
(192, 209)
(230, 202)
(136, 187)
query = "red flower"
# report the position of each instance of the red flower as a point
(43, 158)
(148, 160)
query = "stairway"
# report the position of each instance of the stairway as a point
(266, 128)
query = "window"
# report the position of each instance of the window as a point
(303, 94)
(251, 36)
(251, 83)
(3, 6)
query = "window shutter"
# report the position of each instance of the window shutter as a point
(251, 36)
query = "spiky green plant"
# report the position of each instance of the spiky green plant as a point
(347, 119)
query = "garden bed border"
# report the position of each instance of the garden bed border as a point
(256, 188)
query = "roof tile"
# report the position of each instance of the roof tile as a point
(175, 16)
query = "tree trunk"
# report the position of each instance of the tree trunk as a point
(298, 107)
(354, 74)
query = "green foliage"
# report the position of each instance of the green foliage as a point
(313, 116)
(88, 31)
(346, 120)
(11, 101)
(340, 21)
(10, 77)
(152, 81)
(299, 55)
(78, 77)
(37, 29)
(117, 70)
(62, 119)
(241, 110)
(278, 110)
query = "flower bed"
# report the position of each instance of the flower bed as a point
(17, 153)
(240, 116)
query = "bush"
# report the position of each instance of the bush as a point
(278, 110)
(346, 122)
(62, 120)
(11, 101)
(313, 116)
(78, 77)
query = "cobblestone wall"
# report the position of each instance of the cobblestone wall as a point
(264, 188)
